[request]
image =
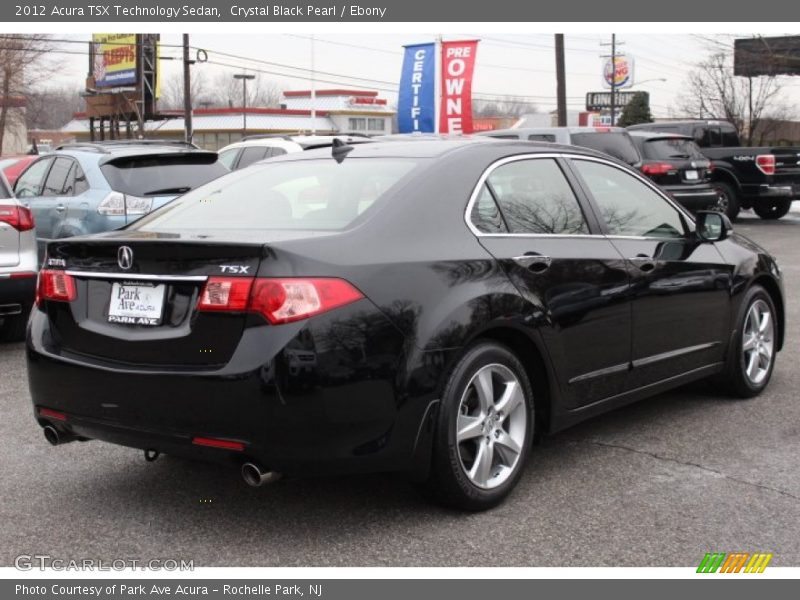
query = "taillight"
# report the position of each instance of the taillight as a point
(217, 443)
(710, 166)
(225, 294)
(766, 163)
(657, 168)
(19, 217)
(52, 414)
(55, 285)
(279, 300)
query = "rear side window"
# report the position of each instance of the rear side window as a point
(616, 144)
(228, 157)
(486, 215)
(542, 137)
(153, 175)
(535, 197)
(57, 178)
(306, 194)
(31, 182)
(667, 148)
(251, 155)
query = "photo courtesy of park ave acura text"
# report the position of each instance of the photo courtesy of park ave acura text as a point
(287, 294)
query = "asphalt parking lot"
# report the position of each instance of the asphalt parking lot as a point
(655, 484)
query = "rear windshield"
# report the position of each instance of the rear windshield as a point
(306, 194)
(157, 175)
(671, 148)
(618, 145)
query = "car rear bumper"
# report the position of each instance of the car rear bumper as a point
(16, 293)
(290, 414)
(772, 191)
(693, 198)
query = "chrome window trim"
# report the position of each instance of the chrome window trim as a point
(136, 276)
(552, 155)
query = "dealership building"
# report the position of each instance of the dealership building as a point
(336, 111)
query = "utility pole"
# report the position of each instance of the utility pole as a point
(613, 77)
(313, 91)
(245, 78)
(187, 91)
(561, 84)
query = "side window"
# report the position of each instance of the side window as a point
(251, 155)
(275, 151)
(485, 215)
(228, 157)
(714, 136)
(81, 184)
(542, 137)
(30, 183)
(535, 197)
(57, 177)
(628, 206)
(729, 137)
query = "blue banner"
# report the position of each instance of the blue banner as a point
(416, 106)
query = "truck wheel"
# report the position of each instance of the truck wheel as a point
(727, 200)
(773, 209)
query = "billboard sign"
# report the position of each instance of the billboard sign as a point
(114, 59)
(620, 75)
(753, 57)
(416, 105)
(458, 63)
(596, 101)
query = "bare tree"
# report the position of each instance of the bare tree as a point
(172, 90)
(714, 92)
(24, 63)
(227, 91)
(511, 106)
(52, 108)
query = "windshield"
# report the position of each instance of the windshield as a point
(306, 194)
(666, 148)
(618, 145)
(161, 175)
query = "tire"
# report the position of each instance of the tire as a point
(728, 200)
(737, 377)
(773, 209)
(13, 328)
(461, 475)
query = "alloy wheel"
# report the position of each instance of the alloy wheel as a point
(758, 345)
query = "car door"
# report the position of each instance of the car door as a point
(54, 186)
(29, 190)
(527, 214)
(680, 291)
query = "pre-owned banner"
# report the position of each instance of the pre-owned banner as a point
(416, 106)
(458, 63)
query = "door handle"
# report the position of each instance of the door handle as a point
(61, 208)
(533, 262)
(644, 262)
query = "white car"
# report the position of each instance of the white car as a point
(258, 147)
(18, 264)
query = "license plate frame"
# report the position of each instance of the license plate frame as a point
(136, 303)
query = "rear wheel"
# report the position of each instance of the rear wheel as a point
(484, 429)
(727, 200)
(751, 359)
(773, 209)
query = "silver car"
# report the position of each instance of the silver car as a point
(18, 264)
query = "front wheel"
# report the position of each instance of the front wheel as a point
(484, 429)
(751, 358)
(773, 209)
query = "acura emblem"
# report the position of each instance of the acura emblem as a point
(125, 257)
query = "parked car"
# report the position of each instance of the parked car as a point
(18, 264)
(92, 187)
(613, 141)
(676, 164)
(254, 148)
(766, 179)
(12, 166)
(456, 296)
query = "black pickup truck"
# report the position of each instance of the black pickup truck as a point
(765, 179)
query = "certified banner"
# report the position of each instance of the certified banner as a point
(458, 63)
(416, 107)
(114, 59)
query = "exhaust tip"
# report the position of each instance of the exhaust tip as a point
(255, 476)
(51, 435)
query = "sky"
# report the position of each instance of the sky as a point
(507, 65)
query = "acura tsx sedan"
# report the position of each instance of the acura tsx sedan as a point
(421, 306)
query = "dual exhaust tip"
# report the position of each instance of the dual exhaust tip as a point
(254, 475)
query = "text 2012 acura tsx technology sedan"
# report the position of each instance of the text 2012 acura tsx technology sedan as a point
(420, 306)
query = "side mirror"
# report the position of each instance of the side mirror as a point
(712, 226)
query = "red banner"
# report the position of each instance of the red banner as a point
(458, 63)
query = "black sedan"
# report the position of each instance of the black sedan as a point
(425, 306)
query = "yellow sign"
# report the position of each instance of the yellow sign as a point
(114, 59)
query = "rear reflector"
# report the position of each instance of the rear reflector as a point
(279, 300)
(52, 414)
(23, 275)
(657, 168)
(215, 443)
(766, 163)
(55, 285)
(19, 217)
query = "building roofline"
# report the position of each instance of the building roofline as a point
(329, 92)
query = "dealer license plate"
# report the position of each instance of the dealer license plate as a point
(691, 174)
(136, 303)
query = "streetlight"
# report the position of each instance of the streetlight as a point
(661, 79)
(244, 77)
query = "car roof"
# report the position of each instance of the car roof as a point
(295, 142)
(658, 135)
(535, 130)
(108, 151)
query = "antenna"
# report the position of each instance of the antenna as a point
(340, 150)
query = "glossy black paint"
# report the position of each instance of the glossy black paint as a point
(355, 389)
